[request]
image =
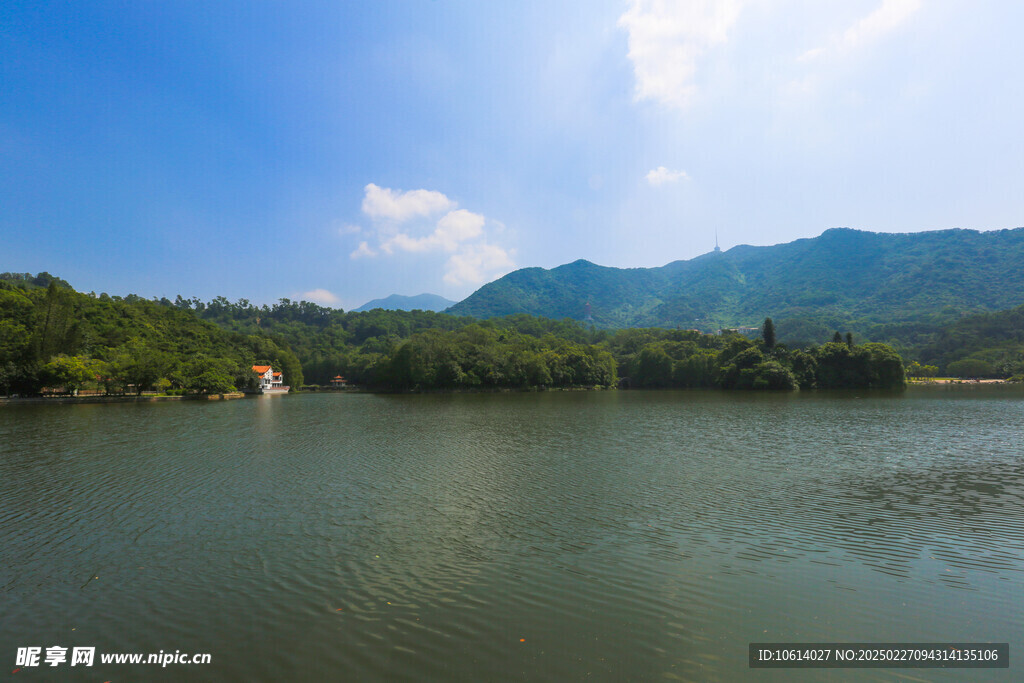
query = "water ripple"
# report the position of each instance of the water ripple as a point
(556, 536)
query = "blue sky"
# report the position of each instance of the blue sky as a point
(340, 152)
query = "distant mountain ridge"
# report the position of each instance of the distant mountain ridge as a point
(841, 275)
(397, 302)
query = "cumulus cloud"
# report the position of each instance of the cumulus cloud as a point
(454, 228)
(668, 39)
(362, 251)
(662, 175)
(320, 296)
(385, 203)
(458, 226)
(476, 264)
(403, 222)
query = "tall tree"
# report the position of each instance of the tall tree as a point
(56, 328)
(768, 333)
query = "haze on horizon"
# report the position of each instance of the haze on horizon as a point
(344, 153)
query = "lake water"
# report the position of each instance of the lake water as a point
(545, 536)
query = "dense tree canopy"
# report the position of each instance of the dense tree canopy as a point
(982, 345)
(54, 336)
(732, 361)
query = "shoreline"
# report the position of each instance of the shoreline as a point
(70, 400)
(954, 380)
(4, 400)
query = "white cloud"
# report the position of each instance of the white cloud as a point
(476, 264)
(454, 228)
(362, 251)
(403, 242)
(890, 15)
(668, 39)
(458, 226)
(320, 296)
(675, 45)
(460, 233)
(382, 202)
(886, 18)
(349, 229)
(823, 64)
(662, 175)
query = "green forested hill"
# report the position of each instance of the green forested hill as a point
(982, 345)
(420, 350)
(360, 346)
(53, 336)
(881, 285)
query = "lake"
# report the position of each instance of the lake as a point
(526, 536)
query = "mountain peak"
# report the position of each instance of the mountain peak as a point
(398, 302)
(841, 275)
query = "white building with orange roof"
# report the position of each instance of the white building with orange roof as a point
(270, 381)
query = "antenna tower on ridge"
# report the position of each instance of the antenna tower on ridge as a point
(717, 249)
